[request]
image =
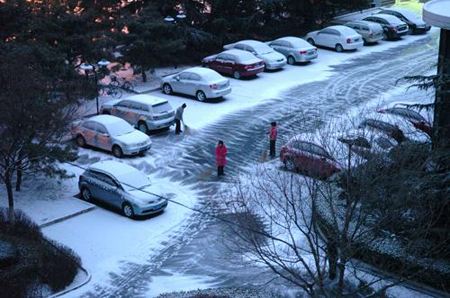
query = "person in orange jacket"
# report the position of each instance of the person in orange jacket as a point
(221, 158)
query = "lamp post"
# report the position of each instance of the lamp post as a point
(87, 67)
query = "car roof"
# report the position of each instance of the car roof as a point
(368, 23)
(250, 42)
(239, 53)
(200, 70)
(387, 17)
(292, 39)
(113, 168)
(146, 99)
(106, 119)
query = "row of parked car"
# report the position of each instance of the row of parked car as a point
(115, 131)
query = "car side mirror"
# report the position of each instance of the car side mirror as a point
(177, 78)
(103, 134)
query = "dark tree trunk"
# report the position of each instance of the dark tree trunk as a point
(332, 259)
(144, 75)
(9, 190)
(19, 177)
(441, 125)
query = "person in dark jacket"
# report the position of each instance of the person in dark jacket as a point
(178, 118)
(273, 132)
(221, 158)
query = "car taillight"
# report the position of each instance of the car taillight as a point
(248, 66)
(303, 52)
(349, 40)
(213, 86)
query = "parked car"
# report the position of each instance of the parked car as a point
(272, 59)
(417, 120)
(294, 49)
(235, 62)
(201, 82)
(309, 158)
(337, 37)
(120, 186)
(144, 112)
(393, 27)
(414, 21)
(371, 32)
(110, 133)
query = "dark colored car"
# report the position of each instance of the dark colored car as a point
(309, 158)
(237, 63)
(393, 27)
(414, 21)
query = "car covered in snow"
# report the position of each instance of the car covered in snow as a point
(417, 120)
(110, 133)
(237, 63)
(371, 32)
(393, 27)
(414, 21)
(336, 37)
(144, 112)
(120, 186)
(272, 59)
(294, 49)
(203, 83)
(308, 158)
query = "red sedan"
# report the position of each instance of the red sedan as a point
(237, 63)
(309, 158)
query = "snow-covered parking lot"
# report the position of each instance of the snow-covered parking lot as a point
(117, 250)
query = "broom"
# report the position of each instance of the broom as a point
(186, 128)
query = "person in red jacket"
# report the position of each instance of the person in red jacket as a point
(221, 158)
(273, 138)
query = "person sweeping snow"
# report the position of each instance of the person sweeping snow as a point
(179, 118)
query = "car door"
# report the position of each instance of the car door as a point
(335, 38)
(194, 84)
(228, 64)
(183, 83)
(134, 112)
(323, 38)
(108, 190)
(102, 137)
(284, 48)
(88, 131)
(276, 45)
(121, 110)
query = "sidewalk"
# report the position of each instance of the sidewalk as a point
(46, 201)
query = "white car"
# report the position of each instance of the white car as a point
(337, 37)
(203, 83)
(295, 49)
(271, 58)
(121, 186)
(143, 111)
(110, 133)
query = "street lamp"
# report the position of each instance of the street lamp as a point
(90, 67)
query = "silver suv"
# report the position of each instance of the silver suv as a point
(144, 112)
(121, 186)
(370, 31)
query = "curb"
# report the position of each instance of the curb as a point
(88, 279)
(52, 222)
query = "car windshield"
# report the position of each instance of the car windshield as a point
(161, 107)
(263, 49)
(311, 148)
(299, 43)
(212, 76)
(133, 180)
(119, 128)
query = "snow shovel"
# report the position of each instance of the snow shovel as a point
(187, 130)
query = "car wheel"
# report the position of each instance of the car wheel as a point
(291, 60)
(81, 141)
(339, 48)
(167, 89)
(117, 151)
(290, 165)
(127, 210)
(237, 75)
(311, 41)
(201, 96)
(86, 194)
(142, 126)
